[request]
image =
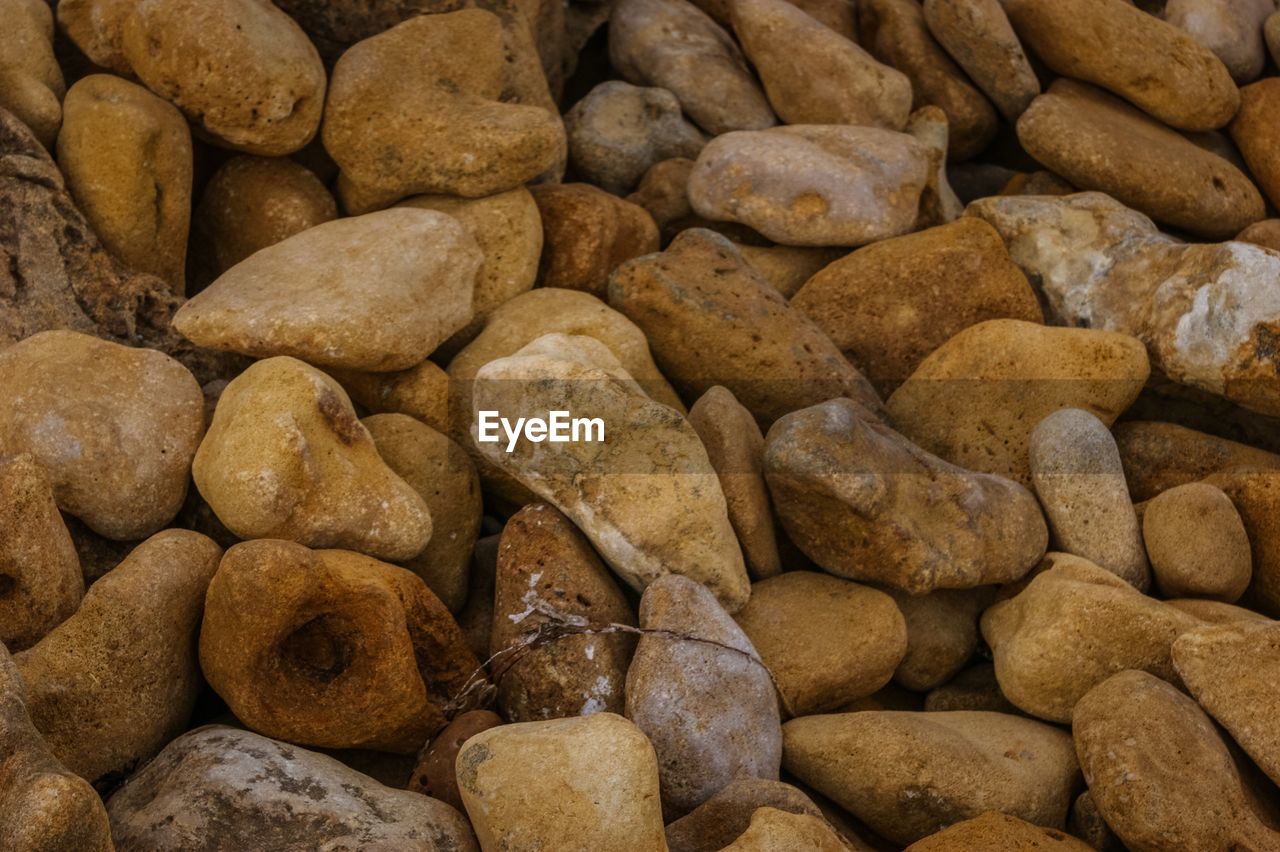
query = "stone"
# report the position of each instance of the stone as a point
(1099, 142)
(1256, 131)
(249, 791)
(286, 458)
(113, 428)
(422, 392)
(661, 192)
(618, 131)
(698, 690)
(445, 122)
(444, 477)
(583, 783)
(1232, 29)
(908, 775)
(1159, 772)
(1271, 34)
(1216, 612)
(978, 36)
(996, 832)
(826, 641)
(312, 297)
(673, 45)
(1160, 456)
(895, 32)
(1197, 544)
(43, 806)
(548, 575)
(435, 774)
(712, 320)
(1079, 479)
(31, 84)
(1150, 63)
(476, 617)
(720, 820)
(1264, 232)
(1073, 626)
(1087, 823)
(890, 304)
(974, 688)
(330, 648)
(647, 498)
(830, 81)
(588, 234)
(866, 504)
(40, 580)
(735, 447)
(108, 687)
(939, 204)
(787, 268)
(976, 399)
(97, 28)
(1255, 493)
(813, 185)
(942, 634)
(772, 829)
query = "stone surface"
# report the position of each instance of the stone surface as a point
(1197, 543)
(772, 829)
(1264, 232)
(908, 775)
(712, 320)
(1232, 29)
(583, 783)
(939, 204)
(1255, 493)
(865, 503)
(996, 832)
(974, 688)
(942, 634)
(31, 84)
(720, 820)
(1256, 131)
(312, 297)
(588, 233)
(813, 185)
(1271, 34)
(108, 687)
(286, 458)
(330, 648)
(422, 392)
(698, 690)
(435, 774)
(1216, 612)
(978, 36)
(1071, 628)
(249, 791)
(1160, 456)
(787, 268)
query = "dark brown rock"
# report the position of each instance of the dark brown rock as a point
(587, 233)
(718, 821)
(435, 774)
(1159, 456)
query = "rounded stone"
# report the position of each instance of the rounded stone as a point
(1197, 544)
(588, 234)
(435, 774)
(772, 829)
(997, 832)
(1256, 131)
(979, 37)
(31, 84)
(942, 634)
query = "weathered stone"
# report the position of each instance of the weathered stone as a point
(435, 773)
(787, 268)
(1271, 34)
(865, 503)
(939, 204)
(942, 634)
(1216, 612)
(718, 821)
(588, 233)
(1255, 493)
(97, 28)
(1256, 131)
(998, 832)
(980, 39)
(772, 829)
(1197, 543)
(1232, 29)
(974, 688)
(31, 84)
(422, 392)
(1087, 823)
(1264, 232)
(1160, 456)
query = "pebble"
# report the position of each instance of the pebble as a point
(773, 829)
(435, 772)
(787, 268)
(1256, 131)
(1232, 29)
(1271, 34)
(974, 688)
(942, 634)
(999, 832)
(588, 234)
(31, 84)
(1087, 823)
(939, 204)
(724, 817)
(978, 36)
(1160, 456)
(1255, 493)
(1197, 544)
(422, 392)
(1216, 612)
(1264, 232)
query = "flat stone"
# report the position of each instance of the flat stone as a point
(1232, 29)
(720, 820)
(772, 829)
(942, 634)
(1159, 456)
(996, 831)
(588, 234)
(978, 36)
(435, 774)
(1256, 131)
(1197, 543)
(32, 85)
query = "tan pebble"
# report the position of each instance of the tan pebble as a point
(1216, 612)
(980, 39)
(996, 832)
(434, 774)
(1197, 543)
(31, 84)
(772, 829)
(1256, 130)
(974, 688)
(1255, 493)
(942, 634)
(422, 392)
(787, 268)
(718, 821)
(1264, 232)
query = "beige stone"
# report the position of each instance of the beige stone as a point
(1255, 493)
(588, 234)
(1271, 34)
(31, 84)
(974, 688)
(1216, 612)
(978, 36)
(422, 392)
(942, 634)
(939, 204)
(772, 829)
(1197, 543)
(1160, 456)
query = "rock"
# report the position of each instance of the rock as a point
(249, 791)
(97, 28)
(286, 458)
(1232, 29)
(939, 205)
(830, 81)
(866, 504)
(1265, 233)
(1072, 627)
(826, 641)
(975, 400)
(772, 829)
(31, 85)
(113, 428)
(1255, 493)
(548, 575)
(1256, 130)
(712, 320)
(673, 45)
(617, 131)
(1148, 62)
(312, 297)
(736, 450)
(974, 688)
(996, 832)
(43, 807)
(942, 634)
(1197, 543)
(662, 193)
(1078, 476)
(720, 820)
(1087, 823)
(787, 268)
(582, 783)
(422, 392)
(698, 690)
(980, 39)
(1271, 34)
(476, 618)
(813, 185)
(435, 774)
(446, 122)
(671, 518)
(444, 477)
(895, 32)
(1159, 772)
(588, 234)
(1160, 456)
(330, 648)
(108, 687)
(908, 775)
(40, 580)
(890, 304)
(1216, 612)
(1098, 142)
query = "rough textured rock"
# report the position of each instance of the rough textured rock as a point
(713, 320)
(1197, 543)
(285, 457)
(113, 428)
(865, 503)
(674, 45)
(248, 791)
(874, 765)
(942, 634)
(1071, 628)
(826, 641)
(422, 392)
(31, 84)
(1159, 456)
(772, 829)
(1256, 131)
(588, 233)
(330, 648)
(996, 832)
(1232, 29)
(718, 821)
(1099, 142)
(312, 297)
(697, 689)
(1115, 45)
(813, 185)
(1216, 612)
(1255, 493)
(113, 683)
(978, 36)
(974, 688)
(584, 783)
(888, 305)
(435, 774)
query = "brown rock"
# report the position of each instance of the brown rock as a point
(939, 204)
(588, 233)
(422, 392)
(97, 28)
(31, 85)
(787, 268)
(772, 829)
(980, 39)
(974, 688)
(1087, 823)
(995, 832)
(1255, 493)
(1271, 33)
(1232, 29)
(435, 774)
(1216, 612)
(662, 192)
(1264, 232)
(718, 821)
(476, 618)
(1159, 456)
(1197, 543)
(942, 634)
(1256, 130)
